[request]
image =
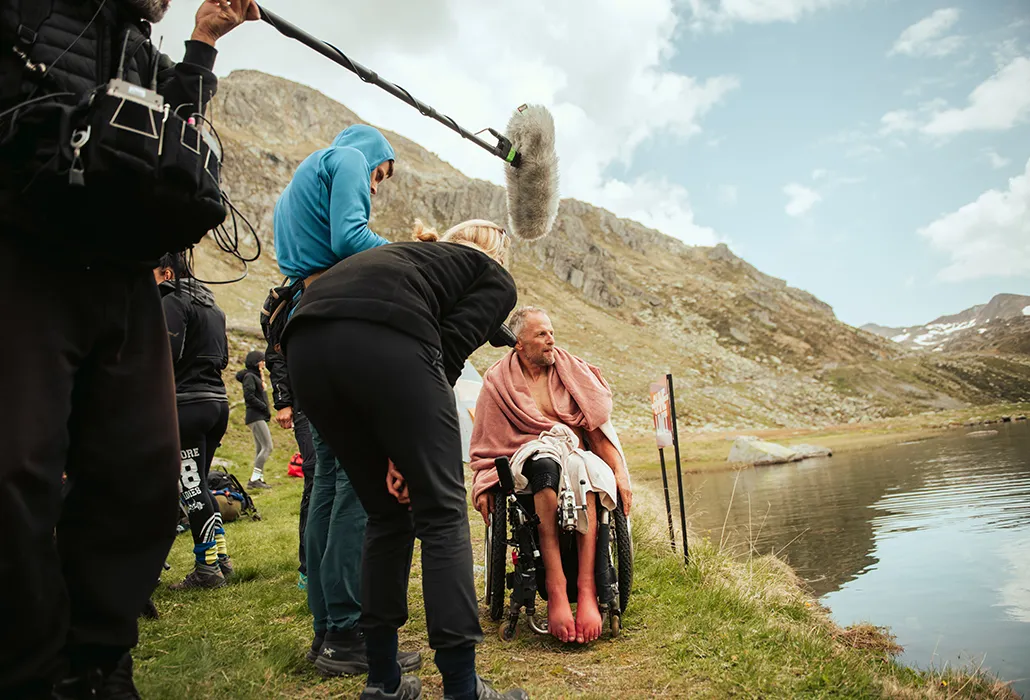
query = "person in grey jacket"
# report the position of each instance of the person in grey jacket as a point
(258, 415)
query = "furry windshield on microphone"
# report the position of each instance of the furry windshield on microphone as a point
(533, 186)
(151, 10)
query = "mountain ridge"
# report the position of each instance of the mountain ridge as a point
(1003, 322)
(746, 349)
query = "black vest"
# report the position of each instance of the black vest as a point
(86, 62)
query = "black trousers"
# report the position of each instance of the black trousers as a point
(86, 372)
(201, 427)
(302, 432)
(374, 393)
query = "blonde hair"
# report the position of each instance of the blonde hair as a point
(485, 236)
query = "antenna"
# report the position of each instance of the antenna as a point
(157, 63)
(121, 61)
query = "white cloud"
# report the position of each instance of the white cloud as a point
(800, 199)
(997, 162)
(600, 66)
(819, 174)
(727, 195)
(927, 36)
(997, 104)
(910, 281)
(989, 237)
(900, 120)
(722, 13)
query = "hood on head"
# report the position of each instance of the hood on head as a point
(200, 293)
(253, 357)
(372, 144)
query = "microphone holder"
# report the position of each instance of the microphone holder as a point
(503, 149)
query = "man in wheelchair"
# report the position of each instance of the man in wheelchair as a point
(550, 413)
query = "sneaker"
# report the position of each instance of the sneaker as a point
(316, 647)
(409, 689)
(225, 564)
(259, 484)
(348, 658)
(485, 692)
(202, 576)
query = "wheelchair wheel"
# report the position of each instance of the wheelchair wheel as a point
(497, 560)
(623, 557)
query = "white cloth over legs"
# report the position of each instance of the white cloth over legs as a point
(582, 471)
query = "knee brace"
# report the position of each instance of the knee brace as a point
(542, 473)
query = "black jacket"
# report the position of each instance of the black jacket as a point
(448, 295)
(282, 394)
(254, 394)
(93, 59)
(76, 64)
(196, 331)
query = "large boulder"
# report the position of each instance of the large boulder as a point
(750, 450)
(809, 451)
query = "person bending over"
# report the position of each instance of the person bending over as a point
(321, 218)
(374, 350)
(550, 412)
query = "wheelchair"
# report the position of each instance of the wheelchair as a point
(513, 523)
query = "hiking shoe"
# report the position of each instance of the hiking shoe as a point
(349, 658)
(91, 683)
(202, 576)
(225, 564)
(118, 685)
(259, 484)
(485, 692)
(316, 647)
(150, 610)
(409, 689)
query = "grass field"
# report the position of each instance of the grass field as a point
(722, 627)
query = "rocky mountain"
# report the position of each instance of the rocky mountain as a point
(745, 348)
(1003, 324)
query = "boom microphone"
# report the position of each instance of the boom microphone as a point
(528, 149)
(532, 187)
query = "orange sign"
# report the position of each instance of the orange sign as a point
(662, 412)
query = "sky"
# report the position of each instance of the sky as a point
(875, 153)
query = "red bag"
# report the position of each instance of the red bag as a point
(296, 466)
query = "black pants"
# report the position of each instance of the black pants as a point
(86, 374)
(201, 427)
(374, 393)
(302, 431)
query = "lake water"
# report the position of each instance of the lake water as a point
(931, 539)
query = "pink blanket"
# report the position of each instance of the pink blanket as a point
(507, 416)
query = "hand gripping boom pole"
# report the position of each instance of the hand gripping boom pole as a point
(503, 149)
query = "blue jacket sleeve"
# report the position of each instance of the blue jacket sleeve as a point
(350, 203)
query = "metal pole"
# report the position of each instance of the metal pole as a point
(503, 149)
(668, 505)
(679, 470)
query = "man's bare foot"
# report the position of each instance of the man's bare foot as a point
(560, 622)
(588, 616)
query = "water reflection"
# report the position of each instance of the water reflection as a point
(930, 538)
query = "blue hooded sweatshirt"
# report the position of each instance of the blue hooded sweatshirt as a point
(322, 215)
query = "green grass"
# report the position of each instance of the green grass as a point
(722, 627)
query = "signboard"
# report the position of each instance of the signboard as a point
(661, 409)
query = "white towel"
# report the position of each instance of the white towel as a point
(582, 471)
